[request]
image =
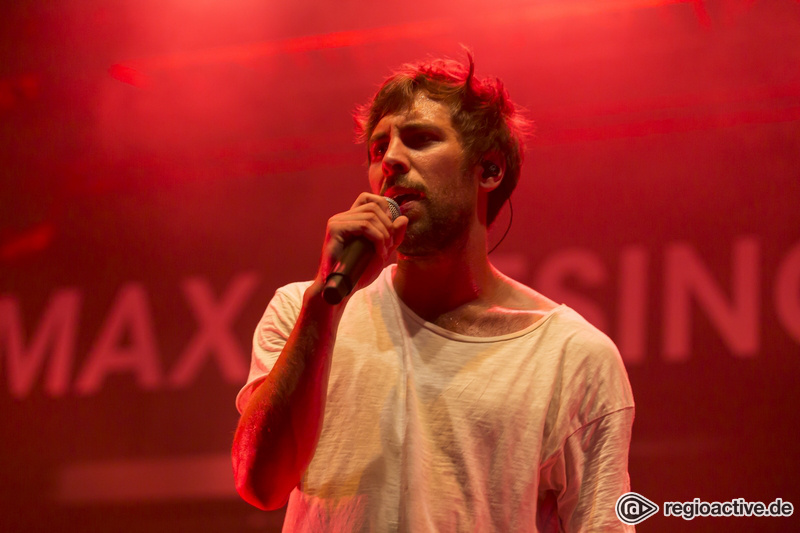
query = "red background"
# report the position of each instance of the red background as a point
(164, 158)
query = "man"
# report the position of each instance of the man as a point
(440, 395)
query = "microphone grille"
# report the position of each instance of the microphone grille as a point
(394, 207)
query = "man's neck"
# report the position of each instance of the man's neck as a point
(437, 284)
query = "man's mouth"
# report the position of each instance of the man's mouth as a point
(403, 196)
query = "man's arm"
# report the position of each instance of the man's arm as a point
(282, 421)
(587, 466)
(280, 425)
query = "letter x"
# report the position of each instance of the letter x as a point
(214, 335)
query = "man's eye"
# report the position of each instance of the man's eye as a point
(377, 151)
(420, 140)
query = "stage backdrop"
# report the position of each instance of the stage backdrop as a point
(167, 165)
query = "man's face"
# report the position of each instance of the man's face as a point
(416, 157)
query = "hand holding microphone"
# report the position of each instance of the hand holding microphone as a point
(358, 252)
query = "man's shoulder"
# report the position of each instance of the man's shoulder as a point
(592, 366)
(582, 335)
(589, 355)
(291, 294)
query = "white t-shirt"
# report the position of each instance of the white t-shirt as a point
(427, 430)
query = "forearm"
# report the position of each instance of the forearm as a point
(281, 424)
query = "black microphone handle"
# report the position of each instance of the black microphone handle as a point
(346, 272)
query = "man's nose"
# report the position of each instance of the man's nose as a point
(395, 160)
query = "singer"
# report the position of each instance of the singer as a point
(440, 395)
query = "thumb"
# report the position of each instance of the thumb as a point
(400, 224)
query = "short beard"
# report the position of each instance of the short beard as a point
(441, 229)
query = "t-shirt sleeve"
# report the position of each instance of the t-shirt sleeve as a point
(270, 336)
(596, 474)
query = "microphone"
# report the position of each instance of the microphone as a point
(353, 261)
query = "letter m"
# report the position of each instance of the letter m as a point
(55, 335)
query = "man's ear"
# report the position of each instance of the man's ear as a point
(493, 168)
